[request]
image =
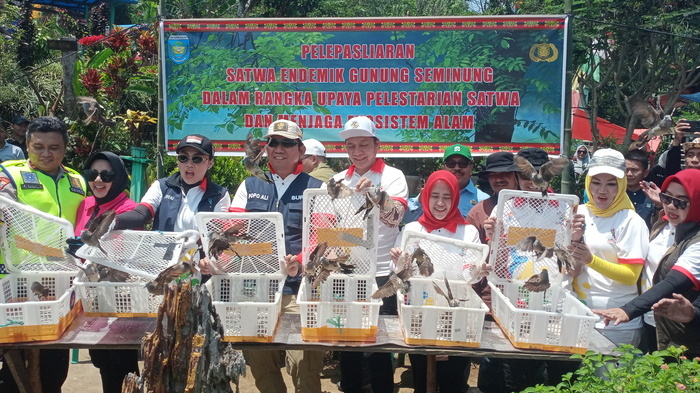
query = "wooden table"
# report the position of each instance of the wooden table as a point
(127, 333)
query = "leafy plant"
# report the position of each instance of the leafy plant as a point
(630, 371)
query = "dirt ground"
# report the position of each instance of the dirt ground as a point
(84, 378)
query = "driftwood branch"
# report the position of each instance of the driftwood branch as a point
(185, 353)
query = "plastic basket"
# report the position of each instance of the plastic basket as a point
(141, 253)
(427, 319)
(32, 247)
(248, 298)
(33, 241)
(249, 305)
(117, 299)
(23, 317)
(340, 309)
(552, 320)
(522, 214)
(334, 221)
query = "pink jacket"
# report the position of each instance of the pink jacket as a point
(122, 203)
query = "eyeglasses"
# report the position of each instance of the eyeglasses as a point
(105, 176)
(678, 203)
(581, 152)
(286, 143)
(184, 159)
(461, 164)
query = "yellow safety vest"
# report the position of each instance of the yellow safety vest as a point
(34, 188)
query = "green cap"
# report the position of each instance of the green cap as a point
(461, 150)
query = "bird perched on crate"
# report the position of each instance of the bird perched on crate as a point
(98, 228)
(541, 178)
(40, 291)
(451, 301)
(538, 282)
(425, 264)
(220, 241)
(253, 155)
(113, 275)
(183, 267)
(319, 267)
(398, 279)
(91, 271)
(336, 189)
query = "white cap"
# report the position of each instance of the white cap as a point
(314, 148)
(358, 126)
(284, 128)
(608, 161)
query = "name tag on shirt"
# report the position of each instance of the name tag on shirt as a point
(30, 181)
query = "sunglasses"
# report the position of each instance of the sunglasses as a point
(461, 164)
(185, 159)
(105, 176)
(286, 143)
(678, 203)
(581, 152)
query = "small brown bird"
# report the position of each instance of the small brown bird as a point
(425, 264)
(94, 111)
(541, 178)
(531, 244)
(98, 228)
(336, 189)
(221, 241)
(451, 301)
(91, 271)
(311, 266)
(652, 117)
(398, 279)
(253, 155)
(538, 282)
(565, 260)
(40, 291)
(112, 275)
(183, 267)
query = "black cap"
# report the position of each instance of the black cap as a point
(536, 156)
(19, 119)
(501, 161)
(199, 142)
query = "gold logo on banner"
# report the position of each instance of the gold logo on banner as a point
(544, 51)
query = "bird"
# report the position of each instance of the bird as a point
(531, 244)
(220, 241)
(565, 260)
(541, 178)
(40, 291)
(91, 271)
(314, 261)
(538, 282)
(328, 266)
(94, 111)
(183, 267)
(652, 117)
(451, 301)
(336, 189)
(113, 275)
(388, 207)
(253, 154)
(366, 207)
(398, 279)
(425, 264)
(97, 229)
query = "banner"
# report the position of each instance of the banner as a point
(494, 83)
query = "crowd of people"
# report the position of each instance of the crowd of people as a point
(635, 240)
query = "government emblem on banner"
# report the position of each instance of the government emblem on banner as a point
(544, 51)
(179, 48)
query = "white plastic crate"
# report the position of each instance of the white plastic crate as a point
(248, 305)
(32, 245)
(521, 214)
(552, 320)
(141, 253)
(23, 317)
(426, 317)
(340, 309)
(248, 297)
(117, 299)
